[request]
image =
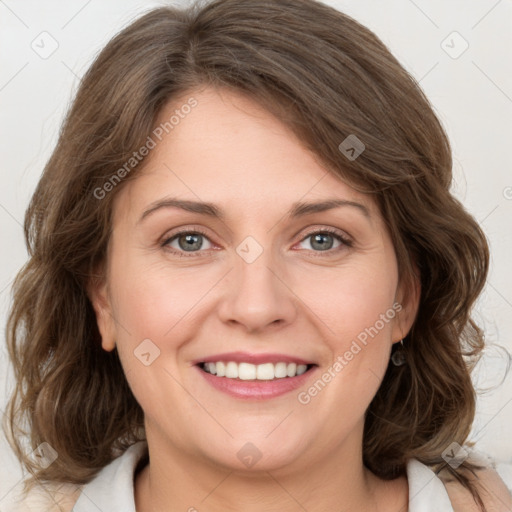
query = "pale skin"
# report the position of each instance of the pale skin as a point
(295, 298)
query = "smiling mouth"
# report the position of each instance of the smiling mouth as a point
(255, 372)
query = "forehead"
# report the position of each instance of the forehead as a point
(227, 149)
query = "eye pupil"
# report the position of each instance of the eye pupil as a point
(320, 239)
(191, 242)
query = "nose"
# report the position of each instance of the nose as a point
(257, 295)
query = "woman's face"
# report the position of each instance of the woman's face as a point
(266, 276)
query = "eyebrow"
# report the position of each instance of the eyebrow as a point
(299, 209)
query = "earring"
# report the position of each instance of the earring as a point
(398, 356)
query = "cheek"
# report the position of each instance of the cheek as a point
(357, 312)
(350, 299)
(152, 299)
(156, 302)
(153, 308)
(355, 306)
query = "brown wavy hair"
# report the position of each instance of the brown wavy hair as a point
(326, 77)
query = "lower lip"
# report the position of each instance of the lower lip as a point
(257, 389)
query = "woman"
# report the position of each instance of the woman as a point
(249, 285)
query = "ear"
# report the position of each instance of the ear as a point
(408, 296)
(97, 291)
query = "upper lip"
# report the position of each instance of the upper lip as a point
(246, 357)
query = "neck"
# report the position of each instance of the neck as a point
(176, 480)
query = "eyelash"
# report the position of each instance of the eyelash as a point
(331, 231)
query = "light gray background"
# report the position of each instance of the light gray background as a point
(471, 92)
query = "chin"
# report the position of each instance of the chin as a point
(253, 457)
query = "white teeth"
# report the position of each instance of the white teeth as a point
(248, 371)
(232, 370)
(264, 371)
(280, 370)
(221, 369)
(301, 369)
(291, 370)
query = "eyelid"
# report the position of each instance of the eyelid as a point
(185, 230)
(345, 237)
(346, 241)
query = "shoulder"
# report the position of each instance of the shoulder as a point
(493, 491)
(51, 497)
(108, 487)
